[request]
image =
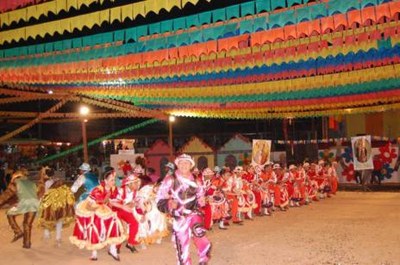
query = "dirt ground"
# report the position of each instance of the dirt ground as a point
(350, 228)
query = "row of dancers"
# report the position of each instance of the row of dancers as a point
(130, 211)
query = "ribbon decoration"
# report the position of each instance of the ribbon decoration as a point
(345, 19)
(34, 121)
(36, 10)
(97, 141)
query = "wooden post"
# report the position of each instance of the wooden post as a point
(84, 139)
(170, 140)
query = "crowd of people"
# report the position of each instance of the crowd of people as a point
(128, 208)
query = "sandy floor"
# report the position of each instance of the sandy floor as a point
(351, 228)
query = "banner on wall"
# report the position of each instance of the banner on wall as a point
(261, 153)
(362, 152)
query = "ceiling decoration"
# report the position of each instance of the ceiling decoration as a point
(247, 60)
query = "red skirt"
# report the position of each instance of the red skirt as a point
(95, 229)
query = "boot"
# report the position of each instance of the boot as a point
(131, 248)
(15, 227)
(221, 225)
(266, 212)
(28, 220)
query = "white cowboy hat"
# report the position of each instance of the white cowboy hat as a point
(292, 167)
(217, 169)
(276, 166)
(184, 157)
(85, 167)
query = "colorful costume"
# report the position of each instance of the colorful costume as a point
(89, 181)
(281, 195)
(232, 192)
(333, 178)
(293, 186)
(218, 202)
(56, 208)
(96, 224)
(267, 184)
(28, 203)
(312, 184)
(156, 221)
(188, 222)
(126, 196)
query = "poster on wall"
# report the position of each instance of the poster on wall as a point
(124, 146)
(261, 153)
(362, 152)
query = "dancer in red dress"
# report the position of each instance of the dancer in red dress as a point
(207, 174)
(215, 198)
(97, 226)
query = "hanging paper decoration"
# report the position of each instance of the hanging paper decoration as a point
(243, 61)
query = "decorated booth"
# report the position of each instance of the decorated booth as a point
(202, 153)
(157, 156)
(236, 151)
